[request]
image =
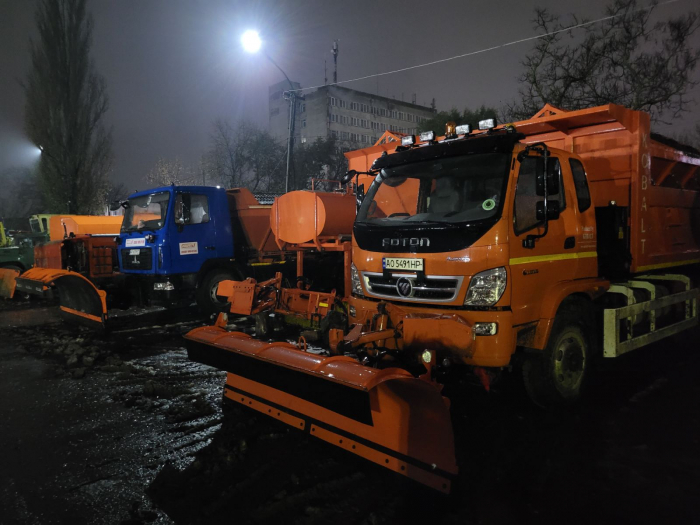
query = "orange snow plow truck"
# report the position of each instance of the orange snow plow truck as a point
(540, 245)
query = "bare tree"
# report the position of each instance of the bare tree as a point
(321, 159)
(627, 60)
(66, 100)
(20, 196)
(245, 156)
(166, 172)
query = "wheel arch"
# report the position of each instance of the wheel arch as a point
(584, 291)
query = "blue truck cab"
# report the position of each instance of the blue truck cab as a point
(176, 244)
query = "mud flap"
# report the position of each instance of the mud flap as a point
(386, 416)
(8, 282)
(80, 300)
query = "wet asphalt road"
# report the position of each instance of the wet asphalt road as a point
(139, 437)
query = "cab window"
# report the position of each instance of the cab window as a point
(583, 195)
(526, 198)
(191, 209)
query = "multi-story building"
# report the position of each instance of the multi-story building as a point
(353, 117)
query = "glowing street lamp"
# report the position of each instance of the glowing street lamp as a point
(251, 42)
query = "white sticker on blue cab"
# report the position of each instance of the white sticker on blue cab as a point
(189, 248)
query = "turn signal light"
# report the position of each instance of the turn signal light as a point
(450, 129)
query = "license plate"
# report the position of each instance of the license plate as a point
(399, 263)
(134, 252)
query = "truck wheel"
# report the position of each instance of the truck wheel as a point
(556, 376)
(207, 300)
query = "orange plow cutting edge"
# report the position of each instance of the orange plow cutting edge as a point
(80, 299)
(386, 416)
(8, 282)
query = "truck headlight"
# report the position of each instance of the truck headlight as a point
(486, 288)
(355, 278)
(166, 286)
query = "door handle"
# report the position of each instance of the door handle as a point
(210, 247)
(570, 242)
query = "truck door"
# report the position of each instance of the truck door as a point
(533, 271)
(194, 240)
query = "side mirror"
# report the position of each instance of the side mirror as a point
(115, 205)
(348, 176)
(552, 211)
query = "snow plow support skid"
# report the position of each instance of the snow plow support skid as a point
(386, 416)
(80, 299)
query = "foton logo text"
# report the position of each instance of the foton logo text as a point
(406, 241)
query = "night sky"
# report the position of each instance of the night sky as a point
(173, 66)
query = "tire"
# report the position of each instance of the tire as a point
(207, 300)
(558, 375)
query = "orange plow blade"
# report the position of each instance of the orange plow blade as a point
(386, 416)
(8, 282)
(80, 300)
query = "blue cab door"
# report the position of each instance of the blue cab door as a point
(193, 232)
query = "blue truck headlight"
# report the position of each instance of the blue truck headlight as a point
(486, 288)
(165, 287)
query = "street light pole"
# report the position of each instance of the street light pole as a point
(291, 96)
(252, 43)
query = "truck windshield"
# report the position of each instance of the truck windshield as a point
(146, 212)
(447, 190)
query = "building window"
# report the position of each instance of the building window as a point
(303, 123)
(342, 104)
(394, 114)
(344, 135)
(303, 107)
(334, 133)
(333, 101)
(303, 140)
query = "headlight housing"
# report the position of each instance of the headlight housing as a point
(355, 278)
(486, 288)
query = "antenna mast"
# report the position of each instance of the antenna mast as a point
(335, 61)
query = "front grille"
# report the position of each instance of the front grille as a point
(142, 261)
(432, 289)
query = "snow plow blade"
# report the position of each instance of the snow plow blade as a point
(8, 282)
(80, 300)
(386, 416)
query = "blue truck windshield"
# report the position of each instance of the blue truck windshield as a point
(146, 212)
(448, 190)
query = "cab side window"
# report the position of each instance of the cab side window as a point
(191, 209)
(583, 195)
(526, 198)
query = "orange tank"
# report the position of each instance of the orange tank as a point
(306, 216)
